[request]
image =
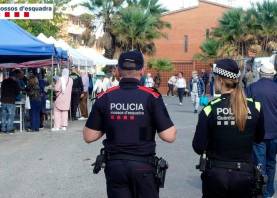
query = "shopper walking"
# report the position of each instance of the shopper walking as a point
(197, 89)
(171, 83)
(249, 77)
(84, 97)
(90, 88)
(265, 91)
(181, 85)
(63, 89)
(157, 80)
(149, 82)
(42, 85)
(113, 82)
(99, 85)
(205, 78)
(211, 82)
(33, 91)
(77, 90)
(9, 91)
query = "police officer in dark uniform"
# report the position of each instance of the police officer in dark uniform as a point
(225, 133)
(77, 91)
(130, 115)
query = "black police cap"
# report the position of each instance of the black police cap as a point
(132, 60)
(227, 68)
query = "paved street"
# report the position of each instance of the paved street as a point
(57, 164)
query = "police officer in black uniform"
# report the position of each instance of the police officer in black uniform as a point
(130, 115)
(225, 133)
(77, 91)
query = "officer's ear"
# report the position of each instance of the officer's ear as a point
(142, 71)
(117, 72)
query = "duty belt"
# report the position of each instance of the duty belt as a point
(239, 166)
(144, 159)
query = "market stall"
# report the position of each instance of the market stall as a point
(17, 46)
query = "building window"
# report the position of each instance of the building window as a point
(207, 33)
(186, 43)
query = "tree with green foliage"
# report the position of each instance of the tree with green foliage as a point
(160, 65)
(210, 49)
(105, 10)
(241, 31)
(88, 37)
(134, 25)
(138, 25)
(134, 29)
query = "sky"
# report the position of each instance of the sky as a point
(187, 3)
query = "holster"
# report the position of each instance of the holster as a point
(260, 182)
(203, 161)
(161, 167)
(99, 162)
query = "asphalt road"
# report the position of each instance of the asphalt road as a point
(57, 164)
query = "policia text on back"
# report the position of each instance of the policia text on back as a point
(130, 116)
(226, 131)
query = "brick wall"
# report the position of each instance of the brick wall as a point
(181, 66)
(193, 22)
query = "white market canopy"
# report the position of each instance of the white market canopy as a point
(77, 58)
(98, 58)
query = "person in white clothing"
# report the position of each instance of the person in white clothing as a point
(181, 85)
(197, 89)
(149, 82)
(106, 83)
(171, 83)
(98, 86)
(114, 82)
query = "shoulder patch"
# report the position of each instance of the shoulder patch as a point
(258, 106)
(208, 110)
(149, 90)
(108, 91)
(250, 99)
(215, 101)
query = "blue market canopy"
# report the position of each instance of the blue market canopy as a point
(17, 45)
(61, 54)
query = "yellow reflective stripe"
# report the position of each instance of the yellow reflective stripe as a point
(208, 110)
(250, 99)
(216, 101)
(258, 106)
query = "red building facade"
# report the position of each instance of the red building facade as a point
(190, 27)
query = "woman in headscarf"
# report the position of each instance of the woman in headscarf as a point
(63, 89)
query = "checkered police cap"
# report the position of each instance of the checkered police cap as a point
(227, 68)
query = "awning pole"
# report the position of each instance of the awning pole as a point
(52, 93)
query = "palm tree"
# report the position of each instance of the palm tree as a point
(105, 10)
(210, 50)
(139, 24)
(232, 29)
(88, 37)
(160, 65)
(267, 19)
(113, 15)
(134, 28)
(240, 31)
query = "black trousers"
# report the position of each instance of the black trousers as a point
(75, 100)
(224, 183)
(170, 89)
(181, 93)
(130, 179)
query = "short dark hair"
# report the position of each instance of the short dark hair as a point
(128, 73)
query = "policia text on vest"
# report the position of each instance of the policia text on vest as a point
(130, 116)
